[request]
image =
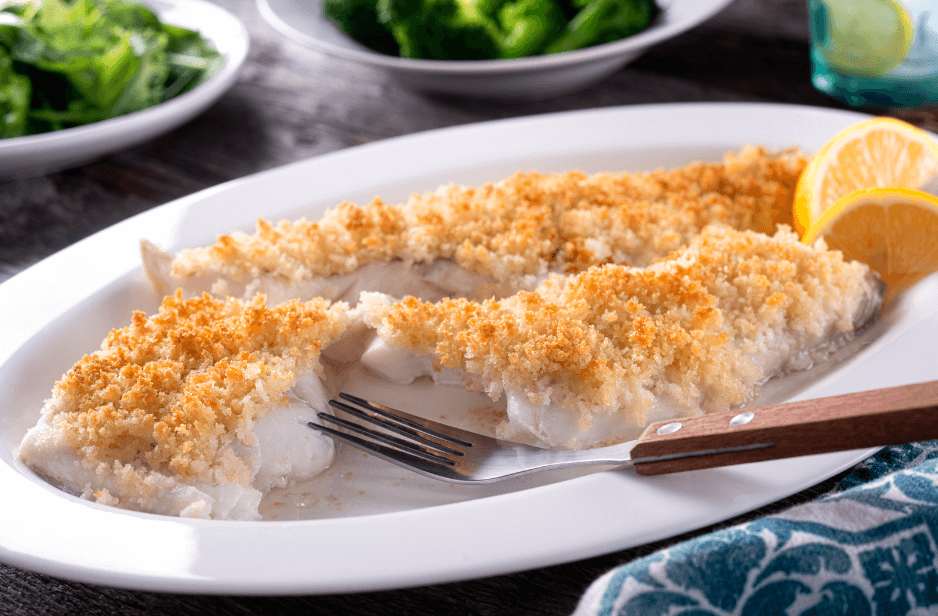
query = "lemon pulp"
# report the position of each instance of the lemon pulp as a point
(890, 229)
(876, 152)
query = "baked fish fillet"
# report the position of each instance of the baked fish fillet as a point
(490, 240)
(196, 411)
(589, 359)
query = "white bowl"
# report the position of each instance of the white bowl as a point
(518, 79)
(48, 152)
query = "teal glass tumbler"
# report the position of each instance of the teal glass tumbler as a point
(875, 52)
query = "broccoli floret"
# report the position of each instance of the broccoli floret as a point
(359, 19)
(603, 21)
(527, 26)
(486, 29)
(438, 29)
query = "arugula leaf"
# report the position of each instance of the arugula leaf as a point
(15, 93)
(88, 60)
(132, 16)
(191, 62)
(145, 88)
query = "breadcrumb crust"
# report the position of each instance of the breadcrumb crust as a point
(169, 392)
(523, 225)
(614, 337)
(648, 299)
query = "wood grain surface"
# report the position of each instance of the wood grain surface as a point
(291, 103)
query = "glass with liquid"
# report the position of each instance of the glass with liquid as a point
(875, 52)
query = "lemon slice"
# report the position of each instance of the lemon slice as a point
(892, 230)
(865, 38)
(875, 152)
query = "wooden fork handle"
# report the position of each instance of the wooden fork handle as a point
(880, 417)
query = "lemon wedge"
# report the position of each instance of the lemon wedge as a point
(878, 152)
(892, 230)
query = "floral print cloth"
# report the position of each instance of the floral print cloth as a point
(868, 548)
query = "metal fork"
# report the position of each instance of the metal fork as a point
(852, 421)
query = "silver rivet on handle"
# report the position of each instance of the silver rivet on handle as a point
(742, 418)
(674, 426)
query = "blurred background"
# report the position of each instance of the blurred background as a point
(291, 102)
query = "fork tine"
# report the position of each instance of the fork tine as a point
(406, 420)
(387, 439)
(396, 456)
(386, 421)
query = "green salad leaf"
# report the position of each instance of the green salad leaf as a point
(82, 61)
(15, 93)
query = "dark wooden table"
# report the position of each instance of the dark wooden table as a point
(290, 104)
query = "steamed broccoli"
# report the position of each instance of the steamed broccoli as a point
(438, 29)
(486, 29)
(359, 19)
(471, 29)
(603, 21)
(525, 27)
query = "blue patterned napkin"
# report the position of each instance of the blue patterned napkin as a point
(869, 547)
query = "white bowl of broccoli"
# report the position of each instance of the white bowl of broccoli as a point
(501, 49)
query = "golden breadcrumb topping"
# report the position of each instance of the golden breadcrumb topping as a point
(690, 327)
(526, 224)
(169, 392)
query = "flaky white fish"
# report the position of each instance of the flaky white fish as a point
(489, 240)
(589, 359)
(196, 411)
